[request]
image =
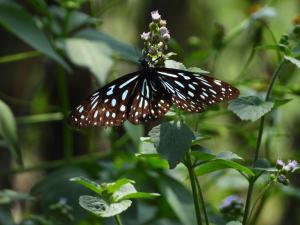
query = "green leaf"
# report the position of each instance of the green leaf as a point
(179, 199)
(173, 140)
(228, 156)
(101, 208)
(218, 164)
(20, 23)
(94, 55)
(116, 186)
(134, 132)
(9, 196)
(8, 131)
(250, 108)
(123, 50)
(202, 156)
(293, 60)
(140, 195)
(180, 66)
(93, 186)
(123, 191)
(281, 102)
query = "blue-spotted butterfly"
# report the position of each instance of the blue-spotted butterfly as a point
(146, 95)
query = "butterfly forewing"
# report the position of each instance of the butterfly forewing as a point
(107, 106)
(192, 91)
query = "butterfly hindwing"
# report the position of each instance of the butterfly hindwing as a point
(150, 101)
(192, 91)
(107, 106)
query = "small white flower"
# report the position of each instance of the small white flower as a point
(155, 15)
(163, 30)
(166, 36)
(145, 36)
(293, 164)
(280, 163)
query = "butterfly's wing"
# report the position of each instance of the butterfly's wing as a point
(107, 106)
(150, 101)
(192, 91)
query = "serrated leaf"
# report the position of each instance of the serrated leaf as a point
(101, 208)
(250, 108)
(93, 186)
(94, 55)
(293, 60)
(173, 140)
(20, 23)
(218, 164)
(8, 131)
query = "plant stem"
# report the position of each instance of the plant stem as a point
(18, 56)
(201, 199)
(262, 120)
(118, 220)
(189, 166)
(64, 102)
(248, 200)
(258, 143)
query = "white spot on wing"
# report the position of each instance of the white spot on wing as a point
(110, 90)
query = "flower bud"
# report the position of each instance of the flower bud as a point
(163, 23)
(282, 179)
(166, 37)
(279, 164)
(145, 36)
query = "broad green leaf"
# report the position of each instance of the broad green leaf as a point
(250, 108)
(124, 191)
(9, 196)
(202, 156)
(293, 60)
(123, 50)
(94, 55)
(281, 102)
(101, 208)
(179, 199)
(173, 140)
(8, 131)
(134, 132)
(115, 186)
(218, 164)
(20, 23)
(139, 195)
(93, 186)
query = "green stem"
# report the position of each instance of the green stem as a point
(261, 128)
(41, 118)
(18, 56)
(64, 102)
(118, 220)
(249, 60)
(201, 199)
(189, 166)
(248, 200)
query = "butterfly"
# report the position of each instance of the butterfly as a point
(146, 95)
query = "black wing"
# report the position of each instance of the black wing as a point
(134, 96)
(107, 106)
(192, 91)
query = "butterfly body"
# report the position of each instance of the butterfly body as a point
(146, 95)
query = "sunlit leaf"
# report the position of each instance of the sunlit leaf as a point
(101, 208)
(94, 55)
(293, 60)
(250, 108)
(123, 191)
(20, 23)
(93, 186)
(140, 195)
(116, 186)
(173, 140)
